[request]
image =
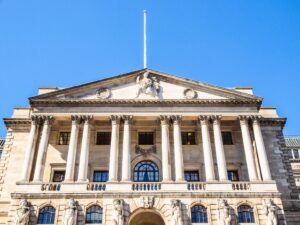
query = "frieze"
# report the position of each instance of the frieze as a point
(145, 151)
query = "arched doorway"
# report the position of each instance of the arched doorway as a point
(146, 217)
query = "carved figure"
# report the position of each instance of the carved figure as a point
(148, 85)
(70, 213)
(271, 212)
(225, 217)
(22, 215)
(147, 202)
(176, 212)
(118, 213)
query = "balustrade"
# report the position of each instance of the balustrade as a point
(96, 187)
(196, 186)
(51, 187)
(146, 186)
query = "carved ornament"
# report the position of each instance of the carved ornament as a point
(144, 151)
(103, 93)
(190, 93)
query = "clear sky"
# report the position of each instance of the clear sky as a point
(227, 43)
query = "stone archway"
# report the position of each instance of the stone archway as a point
(146, 217)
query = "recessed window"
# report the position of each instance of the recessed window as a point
(46, 215)
(58, 176)
(146, 171)
(188, 138)
(233, 175)
(227, 138)
(191, 175)
(100, 176)
(93, 215)
(245, 214)
(146, 138)
(199, 214)
(103, 138)
(64, 138)
(295, 153)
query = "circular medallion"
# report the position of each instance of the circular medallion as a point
(103, 93)
(189, 93)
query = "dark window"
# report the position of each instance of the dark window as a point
(100, 176)
(58, 176)
(93, 214)
(64, 138)
(46, 215)
(227, 138)
(103, 138)
(146, 171)
(188, 138)
(146, 138)
(191, 175)
(296, 154)
(199, 214)
(245, 214)
(233, 175)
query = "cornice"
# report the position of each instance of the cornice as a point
(10, 121)
(273, 121)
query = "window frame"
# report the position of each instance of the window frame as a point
(237, 173)
(146, 131)
(102, 131)
(186, 171)
(58, 138)
(204, 218)
(195, 137)
(293, 153)
(86, 213)
(232, 139)
(99, 170)
(54, 217)
(57, 170)
(156, 173)
(251, 213)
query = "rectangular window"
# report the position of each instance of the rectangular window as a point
(100, 176)
(64, 138)
(233, 175)
(188, 138)
(191, 175)
(227, 138)
(296, 153)
(146, 138)
(103, 138)
(58, 176)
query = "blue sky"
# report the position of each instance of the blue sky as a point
(226, 43)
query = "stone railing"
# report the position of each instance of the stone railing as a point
(240, 186)
(51, 187)
(96, 186)
(199, 186)
(146, 186)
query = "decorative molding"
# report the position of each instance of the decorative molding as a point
(147, 202)
(103, 93)
(144, 151)
(190, 93)
(148, 85)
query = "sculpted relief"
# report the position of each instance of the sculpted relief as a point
(118, 212)
(70, 213)
(147, 85)
(271, 212)
(225, 217)
(22, 214)
(176, 212)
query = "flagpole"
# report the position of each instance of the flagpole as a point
(145, 39)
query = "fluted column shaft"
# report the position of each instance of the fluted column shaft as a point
(39, 166)
(221, 160)
(29, 152)
(165, 147)
(248, 148)
(126, 167)
(85, 148)
(261, 150)
(179, 167)
(114, 148)
(207, 151)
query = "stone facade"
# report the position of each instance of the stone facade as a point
(236, 155)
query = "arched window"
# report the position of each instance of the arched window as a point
(46, 215)
(245, 214)
(199, 214)
(146, 171)
(93, 214)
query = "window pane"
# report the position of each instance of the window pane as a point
(146, 171)
(233, 175)
(191, 175)
(58, 176)
(188, 138)
(199, 214)
(64, 138)
(245, 214)
(93, 215)
(146, 138)
(100, 176)
(296, 153)
(103, 138)
(46, 215)
(227, 138)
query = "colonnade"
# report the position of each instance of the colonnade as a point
(205, 120)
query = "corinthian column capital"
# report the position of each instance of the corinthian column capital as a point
(127, 119)
(216, 119)
(75, 119)
(256, 119)
(164, 119)
(47, 119)
(176, 119)
(204, 119)
(87, 118)
(115, 119)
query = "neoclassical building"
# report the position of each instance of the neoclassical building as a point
(146, 148)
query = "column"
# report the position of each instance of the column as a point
(114, 148)
(39, 167)
(207, 152)
(178, 157)
(221, 160)
(72, 148)
(126, 162)
(25, 175)
(85, 148)
(248, 148)
(261, 151)
(165, 147)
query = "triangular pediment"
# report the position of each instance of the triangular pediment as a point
(145, 84)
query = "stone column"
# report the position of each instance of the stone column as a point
(85, 148)
(221, 160)
(27, 164)
(165, 147)
(248, 148)
(207, 151)
(114, 148)
(179, 167)
(39, 167)
(261, 151)
(72, 148)
(126, 162)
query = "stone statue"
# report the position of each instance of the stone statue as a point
(148, 85)
(70, 213)
(22, 215)
(225, 217)
(176, 212)
(118, 213)
(147, 202)
(271, 212)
